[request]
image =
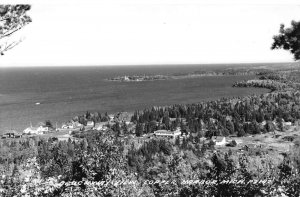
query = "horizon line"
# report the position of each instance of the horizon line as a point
(155, 64)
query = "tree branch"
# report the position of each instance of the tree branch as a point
(9, 46)
(9, 33)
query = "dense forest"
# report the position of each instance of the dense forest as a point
(101, 165)
(226, 116)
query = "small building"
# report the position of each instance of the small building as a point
(68, 125)
(90, 123)
(111, 117)
(77, 125)
(100, 126)
(263, 123)
(203, 139)
(65, 137)
(287, 123)
(219, 140)
(71, 126)
(172, 119)
(228, 118)
(167, 133)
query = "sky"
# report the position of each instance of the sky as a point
(138, 32)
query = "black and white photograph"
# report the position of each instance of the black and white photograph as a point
(150, 98)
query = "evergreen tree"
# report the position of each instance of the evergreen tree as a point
(288, 39)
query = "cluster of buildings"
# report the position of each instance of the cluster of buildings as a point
(173, 135)
(39, 130)
(70, 126)
(90, 125)
(124, 117)
(11, 134)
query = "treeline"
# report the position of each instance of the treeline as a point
(230, 71)
(225, 116)
(263, 83)
(272, 76)
(275, 80)
(95, 117)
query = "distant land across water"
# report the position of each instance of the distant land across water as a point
(59, 93)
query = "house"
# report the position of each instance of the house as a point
(36, 130)
(219, 140)
(65, 137)
(202, 139)
(263, 123)
(77, 125)
(228, 118)
(90, 123)
(71, 126)
(172, 119)
(287, 123)
(68, 125)
(100, 126)
(111, 117)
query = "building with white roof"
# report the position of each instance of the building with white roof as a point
(167, 133)
(100, 126)
(219, 140)
(36, 130)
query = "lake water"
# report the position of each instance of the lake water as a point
(69, 91)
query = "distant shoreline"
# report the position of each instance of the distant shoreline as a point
(203, 72)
